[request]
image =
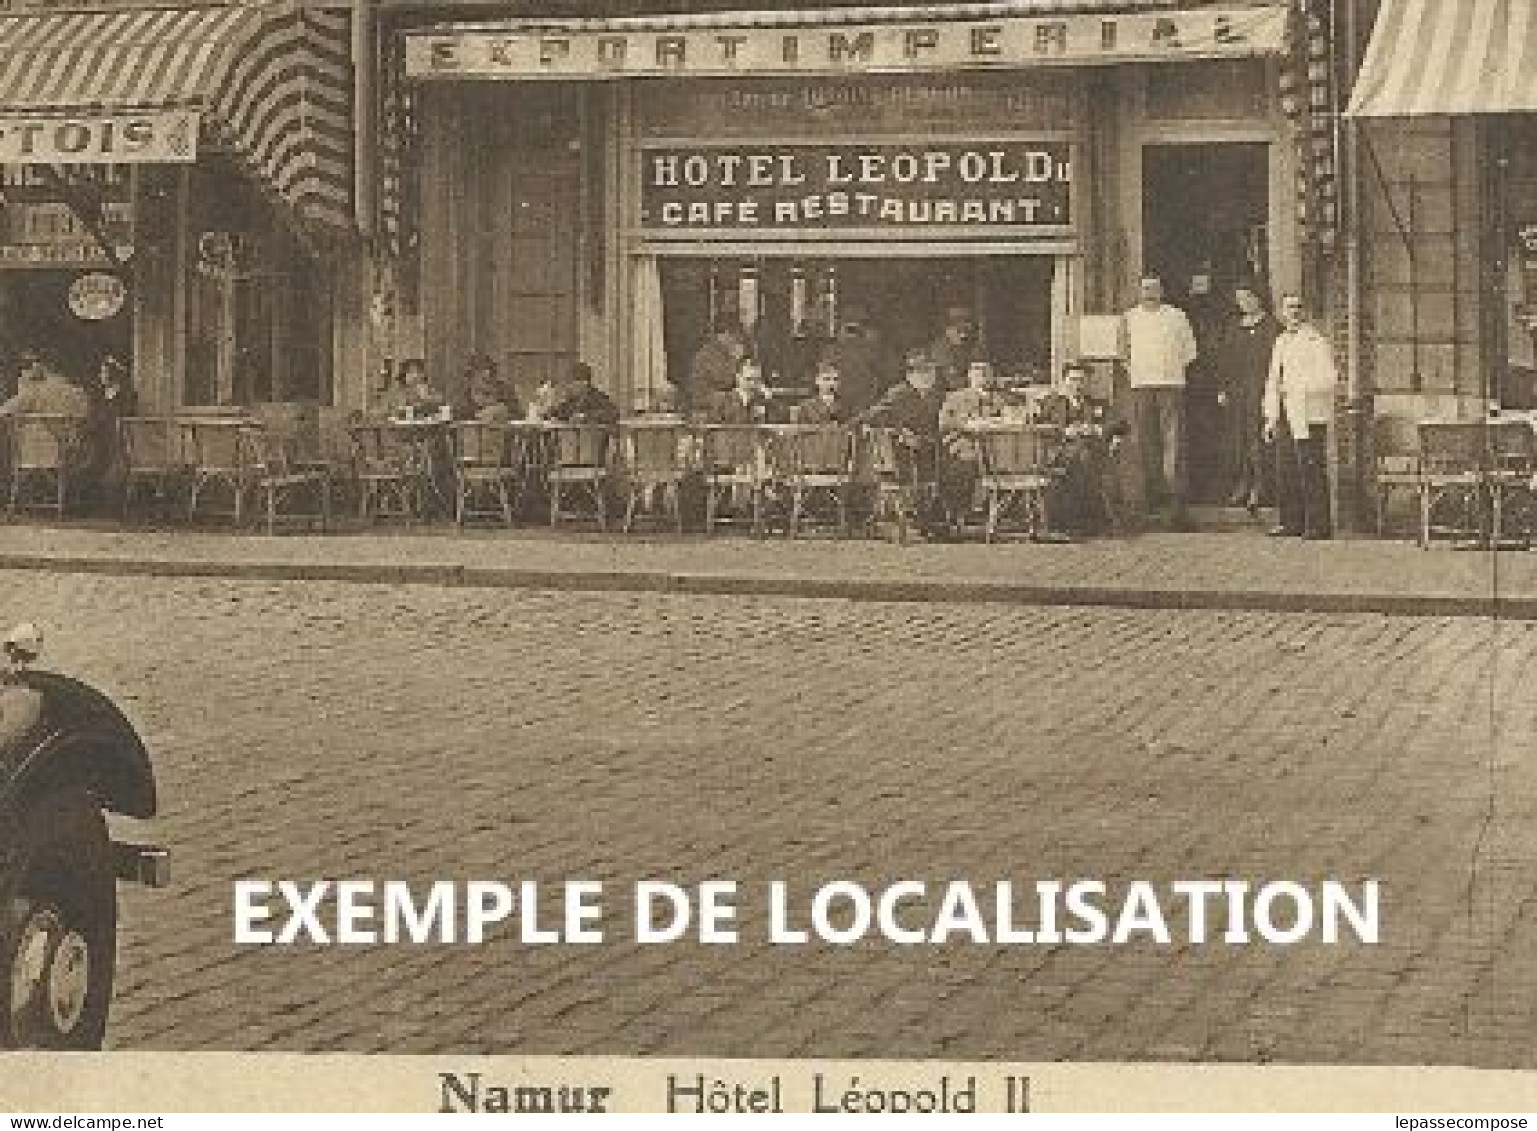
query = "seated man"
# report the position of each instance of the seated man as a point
(960, 463)
(488, 399)
(44, 390)
(911, 408)
(745, 403)
(580, 401)
(1088, 496)
(827, 406)
(413, 395)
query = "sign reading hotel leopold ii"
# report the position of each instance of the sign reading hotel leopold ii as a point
(556, 49)
(98, 139)
(783, 188)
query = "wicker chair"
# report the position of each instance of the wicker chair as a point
(735, 468)
(329, 448)
(579, 465)
(812, 463)
(1452, 487)
(1018, 470)
(1512, 481)
(900, 488)
(655, 457)
(222, 462)
(151, 454)
(279, 480)
(46, 449)
(388, 473)
(484, 469)
(1395, 461)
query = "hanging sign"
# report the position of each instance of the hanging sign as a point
(710, 46)
(50, 234)
(982, 186)
(92, 139)
(97, 297)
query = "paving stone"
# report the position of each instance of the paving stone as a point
(335, 730)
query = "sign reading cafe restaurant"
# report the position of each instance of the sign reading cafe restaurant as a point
(1001, 184)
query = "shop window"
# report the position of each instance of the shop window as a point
(1516, 260)
(794, 310)
(258, 303)
(53, 224)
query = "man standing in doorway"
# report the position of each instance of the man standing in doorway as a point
(1160, 345)
(1299, 406)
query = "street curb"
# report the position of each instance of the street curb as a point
(949, 591)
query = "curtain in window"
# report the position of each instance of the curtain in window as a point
(1064, 314)
(649, 373)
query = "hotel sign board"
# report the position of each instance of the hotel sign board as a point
(113, 138)
(710, 47)
(900, 189)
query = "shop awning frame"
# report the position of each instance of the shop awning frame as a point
(272, 82)
(1449, 57)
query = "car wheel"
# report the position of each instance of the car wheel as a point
(58, 925)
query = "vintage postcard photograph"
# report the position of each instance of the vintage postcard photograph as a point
(723, 556)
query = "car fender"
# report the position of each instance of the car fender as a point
(78, 736)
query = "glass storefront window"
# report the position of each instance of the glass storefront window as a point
(258, 306)
(1518, 250)
(793, 311)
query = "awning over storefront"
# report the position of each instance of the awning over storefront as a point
(270, 81)
(848, 41)
(1449, 57)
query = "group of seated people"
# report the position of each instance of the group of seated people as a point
(489, 399)
(934, 428)
(935, 431)
(92, 404)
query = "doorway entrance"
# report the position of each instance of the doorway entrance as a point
(1205, 221)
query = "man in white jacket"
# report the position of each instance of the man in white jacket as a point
(1299, 409)
(1160, 346)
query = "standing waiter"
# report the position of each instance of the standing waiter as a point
(1299, 407)
(1160, 347)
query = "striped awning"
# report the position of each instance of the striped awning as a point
(1449, 57)
(271, 82)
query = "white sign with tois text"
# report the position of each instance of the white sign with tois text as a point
(90, 139)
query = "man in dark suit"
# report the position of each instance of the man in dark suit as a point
(911, 405)
(580, 401)
(746, 403)
(827, 406)
(911, 408)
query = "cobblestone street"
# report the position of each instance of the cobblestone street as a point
(326, 730)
